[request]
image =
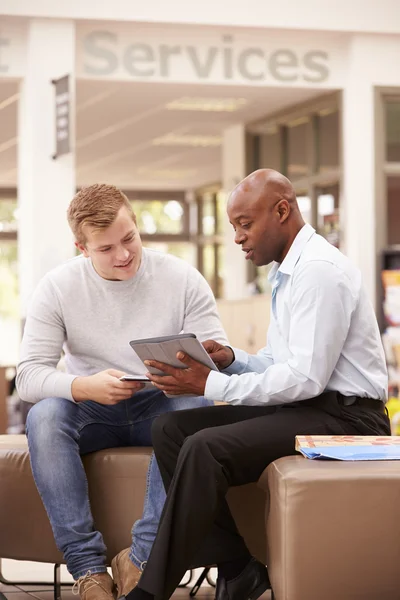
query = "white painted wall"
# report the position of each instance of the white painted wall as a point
(45, 186)
(190, 54)
(372, 62)
(330, 15)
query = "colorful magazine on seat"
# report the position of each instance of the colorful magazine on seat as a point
(349, 447)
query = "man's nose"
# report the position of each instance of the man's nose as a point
(239, 237)
(122, 254)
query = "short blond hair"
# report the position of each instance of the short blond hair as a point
(96, 205)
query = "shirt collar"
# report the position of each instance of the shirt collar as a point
(289, 262)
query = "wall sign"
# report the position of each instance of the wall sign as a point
(62, 100)
(106, 54)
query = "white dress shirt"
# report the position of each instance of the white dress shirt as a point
(323, 334)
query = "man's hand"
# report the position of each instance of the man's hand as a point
(178, 382)
(104, 387)
(223, 356)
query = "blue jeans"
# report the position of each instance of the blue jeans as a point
(59, 432)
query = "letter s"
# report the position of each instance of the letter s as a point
(321, 70)
(110, 59)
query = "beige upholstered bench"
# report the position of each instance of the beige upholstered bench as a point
(333, 529)
(117, 481)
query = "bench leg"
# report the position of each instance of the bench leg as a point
(57, 582)
(199, 581)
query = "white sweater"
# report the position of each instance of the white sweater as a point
(93, 320)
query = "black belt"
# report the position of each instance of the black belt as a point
(378, 405)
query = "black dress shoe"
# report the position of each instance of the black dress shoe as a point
(249, 585)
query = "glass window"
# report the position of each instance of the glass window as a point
(183, 250)
(328, 223)
(211, 205)
(393, 208)
(393, 131)
(209, 264)
(8, 215)
(213, 257)
(270, 151)
(208, 225)
(221, 212)
(297, 157)
(9, 303)
(219, 292)
(304, 203)
(328, 140)
(159, 216)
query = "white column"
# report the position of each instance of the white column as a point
(233, 171)
(358, 202)
(45, 186)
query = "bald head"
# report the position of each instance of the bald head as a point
(264, 213)
(266, 184)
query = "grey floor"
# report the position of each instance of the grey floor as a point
(40, 593)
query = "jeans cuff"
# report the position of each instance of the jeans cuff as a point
(140, 564)
(93, 571)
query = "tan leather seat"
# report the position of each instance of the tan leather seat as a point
(333, 529)
(117, 482)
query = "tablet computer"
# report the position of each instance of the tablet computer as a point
(164, 349)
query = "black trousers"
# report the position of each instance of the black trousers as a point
(204, 451)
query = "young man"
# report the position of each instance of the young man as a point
(322, 372)
(91, 307)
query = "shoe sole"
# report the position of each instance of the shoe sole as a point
(263, 587)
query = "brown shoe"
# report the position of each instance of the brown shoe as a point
(96, 586)
(126, 574)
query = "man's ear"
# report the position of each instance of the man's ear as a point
(283, 210)
(82, 249)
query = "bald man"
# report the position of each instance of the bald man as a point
(322, 372)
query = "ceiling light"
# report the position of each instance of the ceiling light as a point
(172, 139)
(8, 144)
(324, 112)
(9, 101)
(299, 121)
(207, 104)
(264, 128)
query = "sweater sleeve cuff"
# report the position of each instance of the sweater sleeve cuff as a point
(215, 386)
(63, 386)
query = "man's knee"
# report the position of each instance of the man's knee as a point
(202, 441)
(163, 428)
(47, 416)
